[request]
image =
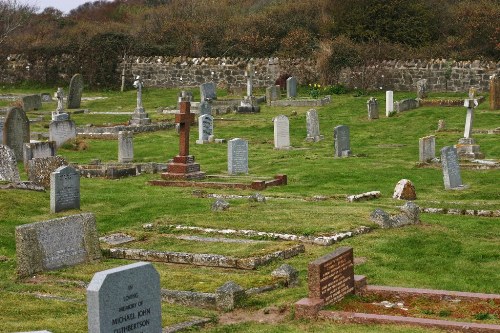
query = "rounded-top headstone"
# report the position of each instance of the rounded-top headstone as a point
(75, 91)
(16, 131)
(125, 299)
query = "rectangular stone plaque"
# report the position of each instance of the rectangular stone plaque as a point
(125, 299)
(125, 146)
(62, 131)
(331, 277)
(64, 189)
(56, 243)
(451, 169)
(281, 132)
(426, 148)
(237, 156)
(342, 141)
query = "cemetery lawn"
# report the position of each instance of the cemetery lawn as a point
(451, 252)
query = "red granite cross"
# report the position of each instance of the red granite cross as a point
(185, 118)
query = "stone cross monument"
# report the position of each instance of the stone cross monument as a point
(59, 114)
(140, 117)
(467, 147)
(183, 165)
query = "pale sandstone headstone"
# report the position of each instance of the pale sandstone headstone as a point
(61, 131)
(125, 299)
(8, 165)
(125, 146)
(312, 126)
(237, 156)
(16, 131)
(57, 243)
(342, 141)
(64, 189)
(427, 148)
(281, 132)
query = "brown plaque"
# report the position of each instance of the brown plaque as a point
(331, 277)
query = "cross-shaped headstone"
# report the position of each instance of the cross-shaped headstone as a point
(470, 104)
(185, 118)
(138, 84)
(60, 100)
(249, 74)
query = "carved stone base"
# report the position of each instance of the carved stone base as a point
(140, 118)
(468, 149)
(183, 167)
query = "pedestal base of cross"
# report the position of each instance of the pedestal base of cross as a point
(468, 149)
(183, 165)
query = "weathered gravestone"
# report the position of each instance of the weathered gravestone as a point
(372, 105)
(2, 120)
(389, 102)
(237, 156)
(125, 299)
(342, 141)
(31, 102)
(75, 92)
(422, 88)
(125, 146)
(404, 190)
(406, 104)
(8, 165)
(38, 149)
(207, 91)
(272, 94)
(205, 108)
(40, 169)
(139, 117)
(16, 131)
(64, 189)
(281, 132)
(291, 87)
(427, 148)
(53, 244)
(494, 92)
(451, 169)
(467, 147)
(61, 131)
(312, 126)
(205, 128)
(59, 114)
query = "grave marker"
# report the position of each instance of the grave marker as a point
(61, 131)
(272, 94)
(291, 87)
(207, 91)
(205, 108)
(422, 88)
(281, 132)
(16, 131)
(31, 102)
(312, 126)
(342, 141)
(38, 149)
(205, 128)
(40, 169)
(125, 299)
(389, 102)
(372, 105)
(237, 156)
(53, 244)
(125, 146)
(64, 189)
(427, 148)
(1, 129)
(451, 169)
(140, 117)
(75, 92)
(467, 147)
(59, 114)
(494, 92)
(8, 165)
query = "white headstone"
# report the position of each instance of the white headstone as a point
(237, 156)
(64, 189)
(281, 132)
(205, 128)
(291, 87)
(125, 146)
(342, 141)
(427, 148)
(125, 299)
(62, 131)
(389, 102)
(451, 169)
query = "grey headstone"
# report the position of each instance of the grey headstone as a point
(40, 169)
(228, 296)
(62, 131)
(372, 105)
(281, 132)
(38, 150)
(125, 299)
(237, 156)
(53, 244)
(272, 94)
(207, 91)
(451, 169)
(312, 126)
(205, 128)
(2, 120)
(31, 102)
(8, 165)
(205, 108)
(342, 141)
(16, 131)
(125, 146)
(389, 102)
(64, 189)
(75, 92)
(422, 88)
(291, 87)
(406, 104)
(427, 148)
(220, 205)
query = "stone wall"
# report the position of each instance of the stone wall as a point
(183, 72)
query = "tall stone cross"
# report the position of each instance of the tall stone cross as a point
(138, 85)
(185, 118)
(60, 100)
(249, 74)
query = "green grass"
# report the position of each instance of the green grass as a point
(444, 252)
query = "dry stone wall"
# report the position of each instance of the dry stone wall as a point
(182, 72)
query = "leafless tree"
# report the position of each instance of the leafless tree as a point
(13, 14)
